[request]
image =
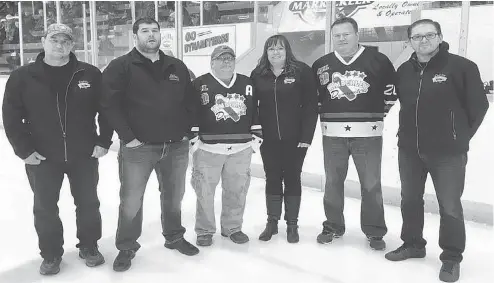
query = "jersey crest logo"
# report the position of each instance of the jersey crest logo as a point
(204, 88)
(348, 85)
(230, 107)
(204, 98)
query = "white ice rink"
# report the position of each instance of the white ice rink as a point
(345, 260)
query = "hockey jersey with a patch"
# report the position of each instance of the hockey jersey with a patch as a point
(356, 95)
(227, 114)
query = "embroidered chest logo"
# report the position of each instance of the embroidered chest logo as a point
(289, 80)
(173, 77)
(232, 106)
(84, 84)
(348, 85)
(204, 88)
(439, 78)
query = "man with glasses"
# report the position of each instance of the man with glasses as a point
(49, 111)
(148, 98)
(356, 91)
(442, 106)
(226, 120)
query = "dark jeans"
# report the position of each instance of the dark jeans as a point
(366, 153)
(283, 162)
(170, 162)
(448, 176)
(46, 181)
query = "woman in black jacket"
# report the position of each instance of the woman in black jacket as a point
(286, 91)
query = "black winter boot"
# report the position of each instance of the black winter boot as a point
(273, 206)
(292, 232)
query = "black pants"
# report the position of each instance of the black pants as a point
(283, 162)
(448, 176)
(46, 181)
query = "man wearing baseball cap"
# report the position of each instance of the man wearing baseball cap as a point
(226, 122)
(49, 111)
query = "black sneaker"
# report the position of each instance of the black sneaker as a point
(204, 240)
(50, 266)
(123, 260)
(405, 252)
(377, 243)
(450, 271)
(238, 237)
(326, 237)
(92, 256)
(183, 247)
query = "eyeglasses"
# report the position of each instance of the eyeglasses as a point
(228, 59)
(428, 36)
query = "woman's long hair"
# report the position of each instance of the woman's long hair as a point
(290, 62)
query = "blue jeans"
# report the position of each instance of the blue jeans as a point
(448, 176)
(170, 162)
(366, 153)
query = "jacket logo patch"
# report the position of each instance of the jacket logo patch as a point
(204, 88)
(173, 77)
(439, 78)
(232, 106)
(204, 98)
(84, 84)
(289, 80)
(348, 85)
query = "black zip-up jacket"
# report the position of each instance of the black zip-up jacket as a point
(154, 106)
(287, 103)
(442, 103)
(32, 113)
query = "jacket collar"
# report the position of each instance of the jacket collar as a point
(38, 66)
(440, 57)
(138, 58)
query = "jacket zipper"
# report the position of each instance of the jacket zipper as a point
(276, 106)
(63, 125)
(453, 124)
(417, 107)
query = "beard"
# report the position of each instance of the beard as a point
(149, 47)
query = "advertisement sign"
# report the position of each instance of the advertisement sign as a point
(311, 15)
(201, 41)
(198, 41)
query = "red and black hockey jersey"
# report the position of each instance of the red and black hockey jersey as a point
(227, 113)
(356, 95)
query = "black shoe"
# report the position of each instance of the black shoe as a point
(92, 256)
(183, 247)
(123, 260)
(204, 240)
(405, 252)
(50, 266)
(292, 233)
(377, 243)
(450, 271)
(326, 237)
(238, 237)
(270, 230)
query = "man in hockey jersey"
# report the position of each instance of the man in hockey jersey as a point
(227, 117)
(442, 106)
(356, 90)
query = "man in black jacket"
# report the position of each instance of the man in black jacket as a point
(49, 111)
(149, 101)
(442, 106)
